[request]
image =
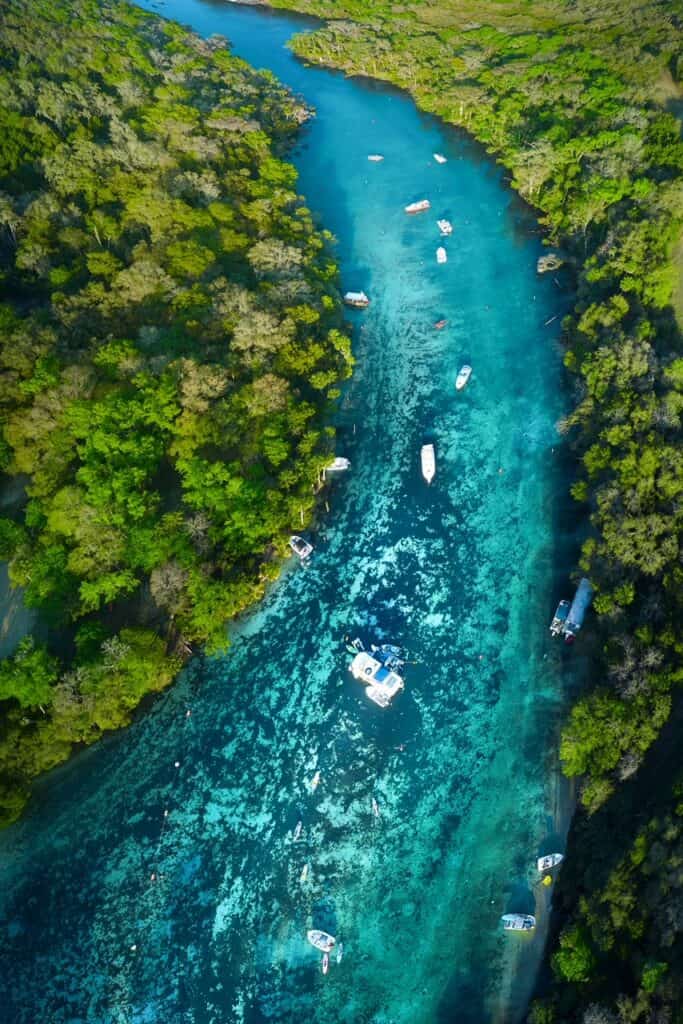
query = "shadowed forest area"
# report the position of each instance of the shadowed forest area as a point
(171, 343)
(580, 102)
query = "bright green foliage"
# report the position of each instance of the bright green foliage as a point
(28, 676)
(169, 325)
(574, 960)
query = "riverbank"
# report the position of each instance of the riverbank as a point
(165, 469)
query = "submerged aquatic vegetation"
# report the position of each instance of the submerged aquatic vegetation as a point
(582, 104)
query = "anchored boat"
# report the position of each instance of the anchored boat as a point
(568, 618)
(440, 324)
(358, 300)
(338, 466)
(439, 157)
(354, 646)
(445, 227)
(418, 207)
(559, 618)
(428, 462)
(300, 547)
(441, 255)
(375, 158)
(518, 922)
(379, 671)
(326, 963)
(321, 940)
(463, 376)
(551, 860)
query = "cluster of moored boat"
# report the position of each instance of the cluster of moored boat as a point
(527, 922)
(569, 615)
(379, 668)
(359, 300)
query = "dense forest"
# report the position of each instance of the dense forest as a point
(580, 101)
(171, 343)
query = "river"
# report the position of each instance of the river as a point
(204, 791)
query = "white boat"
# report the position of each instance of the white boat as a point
(304, 874)
(518, 922)
(418, 207)
(321, 940)
(315, 781)
(375, 808)
(300, 547)
(379, 672)
(439, 157)
(338, 466)
(560, 617)
(354, 646)
(441, 256)
(428, 462)
(298, 830)
(445, 227)
(340, 952)
(358, 300)
(375, 158)
(463, 376)
(326, 963)
(551, 860)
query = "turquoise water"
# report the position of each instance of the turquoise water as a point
(463, 573)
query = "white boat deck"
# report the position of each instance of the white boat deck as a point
(382, 684)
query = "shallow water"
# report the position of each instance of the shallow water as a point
(463, 573)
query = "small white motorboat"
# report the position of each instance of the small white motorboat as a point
(340, 952)
(326, 963)
(560, 617)
(518, 922)
(298, 830)
(375, 808)
(358, 300)
(315, 781)
(464, 375)
(300, 547)
(440, 158)
(304, 874)
(354, 646)
(338, 466)
(321, 940)
(418, 207)
(551, 860)
(445, 227)
(441, 255)
(375, 158)
(428, 462)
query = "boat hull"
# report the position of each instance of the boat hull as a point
(321, 940)
(428, 462)
(420, 207)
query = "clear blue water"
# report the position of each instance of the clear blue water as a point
(463, 573)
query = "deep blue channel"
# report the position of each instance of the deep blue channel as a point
(463, 573)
